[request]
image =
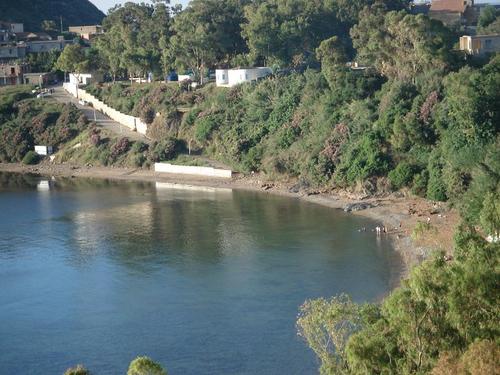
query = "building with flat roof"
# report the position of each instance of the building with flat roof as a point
(12, 73)
(453, 12)
(12, 52)
(233, 77)
(479, 45)
(86, 32)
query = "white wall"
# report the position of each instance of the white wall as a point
(221, 77)
(43, 150)
(197, 171)
(235, 77)
(131, 122)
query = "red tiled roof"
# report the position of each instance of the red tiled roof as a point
(449, 5)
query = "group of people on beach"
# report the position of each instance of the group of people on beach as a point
(379, 230)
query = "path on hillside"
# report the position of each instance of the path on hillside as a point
(100, 119)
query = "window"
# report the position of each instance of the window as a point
(487, 43)
(12, 70)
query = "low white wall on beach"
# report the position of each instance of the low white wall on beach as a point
(197, 171)
(131, 122)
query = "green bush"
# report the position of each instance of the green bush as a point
(420, 181)
(204, 127)
(166, 149)
(78, 370)
(145, 366)
(402, 175)
(31, 158)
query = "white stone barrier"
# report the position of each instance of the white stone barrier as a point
(131, 122)
(196, 171)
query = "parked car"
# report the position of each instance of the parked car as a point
(83, 102)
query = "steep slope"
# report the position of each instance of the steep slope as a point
(33, 13)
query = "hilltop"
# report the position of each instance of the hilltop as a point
(33, 13)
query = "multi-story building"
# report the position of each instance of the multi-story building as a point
(12, 73)
(12, 27)
(37, 46)
(454, 12)
(12, 52)
(86, 32)
(479, 45)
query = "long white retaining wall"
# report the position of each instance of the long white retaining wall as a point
(198, 171)
(131, 122)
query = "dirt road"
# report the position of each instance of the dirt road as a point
(99, 118)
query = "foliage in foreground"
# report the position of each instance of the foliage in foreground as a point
(145, 366)
(444, 317)
(78, 370)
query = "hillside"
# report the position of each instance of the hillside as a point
(32, 13)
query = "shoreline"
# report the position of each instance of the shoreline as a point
(391, 211)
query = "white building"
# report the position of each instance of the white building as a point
(480, 44)
(233, 77)
(84, 78)
(43, 150)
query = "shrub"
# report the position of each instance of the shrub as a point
(421, 229)
(205, 126)
(166, 149)
(139, 160)
(145, 366)
(139, 146)
(31, 158)
(148, 114)
(78, 370)
(402, 175)
(120, 147)
(420, 183)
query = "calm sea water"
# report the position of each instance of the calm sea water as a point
(203, 281)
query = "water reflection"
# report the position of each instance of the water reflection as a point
(101, 271)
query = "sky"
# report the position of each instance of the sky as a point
(104, 5)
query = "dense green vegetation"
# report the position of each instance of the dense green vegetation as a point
(26, 122)
(33, 13)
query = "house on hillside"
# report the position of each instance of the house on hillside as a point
(12, 52)
(454, 12)
(37, 46)
(479, 45)
(85, 78)
(86, 32)
(233, 77)
(40, 79)
(12, 27)
(12, 73)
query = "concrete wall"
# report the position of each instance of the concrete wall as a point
(233, 77)
(131, 122)
(197, 171)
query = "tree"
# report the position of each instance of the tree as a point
(145, 366)
(282, 31)
(73, 60)
(401, 46)
(49, 26)
(488, 16)
(135, 38)
(326, 325)
(206, 33)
